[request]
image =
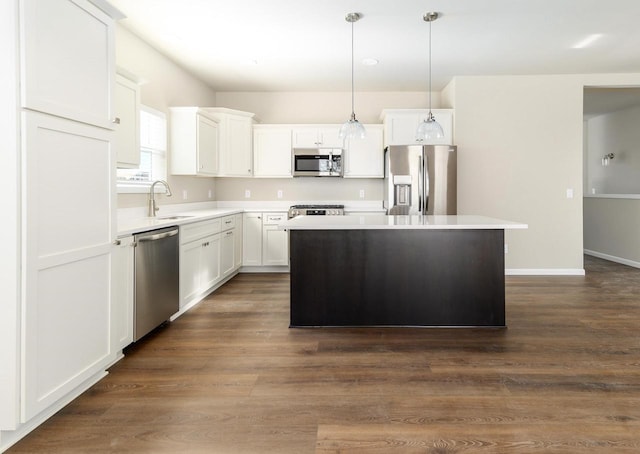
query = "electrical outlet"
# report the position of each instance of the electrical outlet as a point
(184, 194)
(506, 248)
(247, 193)
(570, 193)
(210, 193)
(362, 193)
(279, 193)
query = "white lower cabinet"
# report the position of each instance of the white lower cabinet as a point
(199, 260)
(227, 256)
(227, 246)
(122, 293)
(252, 239)
(264, 243)
(208, 255)
(237, 238)
(275, 242)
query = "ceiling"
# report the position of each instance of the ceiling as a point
(304, 45)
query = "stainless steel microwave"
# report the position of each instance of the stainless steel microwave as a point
(317, 162)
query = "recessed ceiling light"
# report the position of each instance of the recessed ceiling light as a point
(588, 41)
(369, 62)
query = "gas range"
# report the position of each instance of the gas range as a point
(316, 210)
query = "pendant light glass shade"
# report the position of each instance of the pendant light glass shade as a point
(352, 129)
(429, 129)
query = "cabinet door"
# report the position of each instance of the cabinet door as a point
(365, 157)
(238, 150)
(306, 137)
(210, 262)
(227, 255)
(272, 152)
(275, 246)
(190, 271)
(122, 293)
(207, 145)
(329, 137)
(68, 60)
(252, 239)
(68, 234)
(401, 127)
(237, 237)
(127, 138)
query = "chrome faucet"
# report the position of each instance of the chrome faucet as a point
(152, 197)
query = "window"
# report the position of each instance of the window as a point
(153, 153)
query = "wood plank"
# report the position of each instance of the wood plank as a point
(231, 377)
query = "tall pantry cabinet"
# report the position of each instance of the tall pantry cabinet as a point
(65, 205)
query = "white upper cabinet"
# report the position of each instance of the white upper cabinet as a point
(317, 136)
(127, 124)
(364, 158)
(194, 142)
(271, 151)
(68, 60)
(235, 138)
(400, 126)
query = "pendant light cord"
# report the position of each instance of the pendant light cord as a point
(430, 68)
(353, 109)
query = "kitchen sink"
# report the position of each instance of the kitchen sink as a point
(173, 217)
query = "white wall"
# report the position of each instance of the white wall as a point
(617, 133)
(520, 148)
(322, 106)
(166, 85)
(612, 229)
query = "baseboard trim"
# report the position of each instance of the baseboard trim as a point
(264, 269)
(613, 258)
(544, 272)
(200, 298)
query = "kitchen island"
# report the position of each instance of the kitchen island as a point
(436, 271)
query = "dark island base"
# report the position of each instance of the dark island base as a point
(435, 278)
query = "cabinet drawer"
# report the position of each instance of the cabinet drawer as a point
(273, 218)
(197, 230)
(228, 222)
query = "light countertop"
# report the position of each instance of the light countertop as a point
(380, 222)
(137, 225)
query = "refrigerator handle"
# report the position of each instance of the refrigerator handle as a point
(420, 185)
(425, 171)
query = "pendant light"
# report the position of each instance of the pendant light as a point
(429, 129)
(352, 128)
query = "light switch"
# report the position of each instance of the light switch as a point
(247, 193)
(279, 193)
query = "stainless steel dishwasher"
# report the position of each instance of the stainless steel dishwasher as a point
(156, 279)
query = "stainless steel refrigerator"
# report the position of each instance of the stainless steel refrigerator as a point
(420, 179)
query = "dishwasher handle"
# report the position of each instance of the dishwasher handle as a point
(158, 236)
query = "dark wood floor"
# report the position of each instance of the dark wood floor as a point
(231, 377)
